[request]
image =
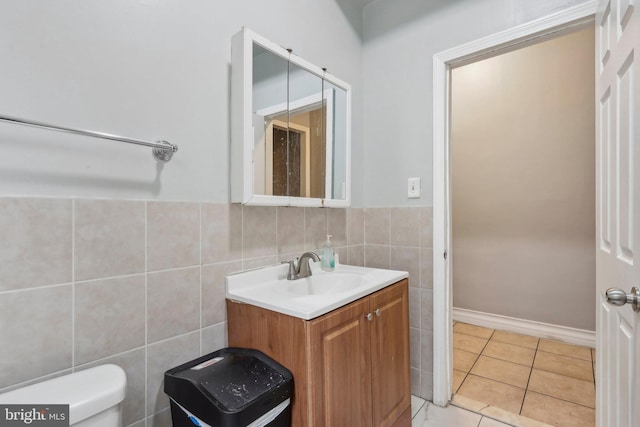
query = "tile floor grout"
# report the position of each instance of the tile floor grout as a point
(531, 371)
(477, 358)
(521, 346)
(593, 369)
(526, 388)
(537, 352)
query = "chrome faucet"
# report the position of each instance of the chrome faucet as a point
(299, 268)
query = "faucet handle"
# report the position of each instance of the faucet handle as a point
(292, 274)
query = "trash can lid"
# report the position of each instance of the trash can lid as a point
(234, 379)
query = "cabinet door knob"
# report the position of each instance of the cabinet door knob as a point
(369, 316)
(378, 312)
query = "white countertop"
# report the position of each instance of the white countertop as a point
(309, 297)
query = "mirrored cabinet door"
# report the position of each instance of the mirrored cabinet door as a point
(269, 117)
(290, 128)
(307, 135)
(340, 154)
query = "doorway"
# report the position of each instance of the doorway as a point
(547, 27)
(522, 183)
(523, 226)
(287, 149)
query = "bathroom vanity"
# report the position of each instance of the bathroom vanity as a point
(351, 363)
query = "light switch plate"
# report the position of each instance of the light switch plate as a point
(414, 188)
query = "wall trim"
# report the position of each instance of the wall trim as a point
(528, 327)
(442, 61)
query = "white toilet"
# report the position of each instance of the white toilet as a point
(94, 396)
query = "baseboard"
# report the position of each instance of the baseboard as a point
(527, 327)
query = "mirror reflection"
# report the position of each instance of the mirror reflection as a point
(300, 130)
(337, 97)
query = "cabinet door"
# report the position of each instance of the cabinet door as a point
(390, 370)
(340, 367)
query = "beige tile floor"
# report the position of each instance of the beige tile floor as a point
(539, 379)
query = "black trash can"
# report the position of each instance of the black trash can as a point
(232, 387)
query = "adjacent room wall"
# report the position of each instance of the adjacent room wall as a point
(523, 183)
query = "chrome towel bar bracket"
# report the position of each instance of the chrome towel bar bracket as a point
(162, 150)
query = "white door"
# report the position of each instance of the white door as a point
(618, 210)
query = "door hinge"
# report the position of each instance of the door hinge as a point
(445, 254)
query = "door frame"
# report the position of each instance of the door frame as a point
(514, 38)
(305, 156)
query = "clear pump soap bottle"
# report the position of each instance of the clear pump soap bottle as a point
(328, 256)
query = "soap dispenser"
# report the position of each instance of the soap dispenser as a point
(328, 256)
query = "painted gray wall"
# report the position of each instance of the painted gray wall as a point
(161, 70)
(523, 174)
(400, 39)
(148, 70)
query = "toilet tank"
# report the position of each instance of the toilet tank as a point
(94, 395)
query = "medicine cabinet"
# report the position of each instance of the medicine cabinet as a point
(290, 128)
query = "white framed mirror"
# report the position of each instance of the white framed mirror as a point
(290, 133)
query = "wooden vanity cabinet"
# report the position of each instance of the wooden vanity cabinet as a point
(350, 366)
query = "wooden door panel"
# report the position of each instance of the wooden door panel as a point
(390, 377)
(340, 368)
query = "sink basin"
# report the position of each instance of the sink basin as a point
(322, 284)
(312, 296)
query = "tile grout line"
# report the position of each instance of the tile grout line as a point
(564, 400)
(561, 399)
(496, 381)
(146, 310)
(476, 361)
(200, 281)
(501, 360)
(538, 392)
(493, 379)
(593, 368)
(466, 375)
(242, 236)
(526, 389)
(73, 285)
(364, 237)
(530, 372)
(529, 348)
(501, 342)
